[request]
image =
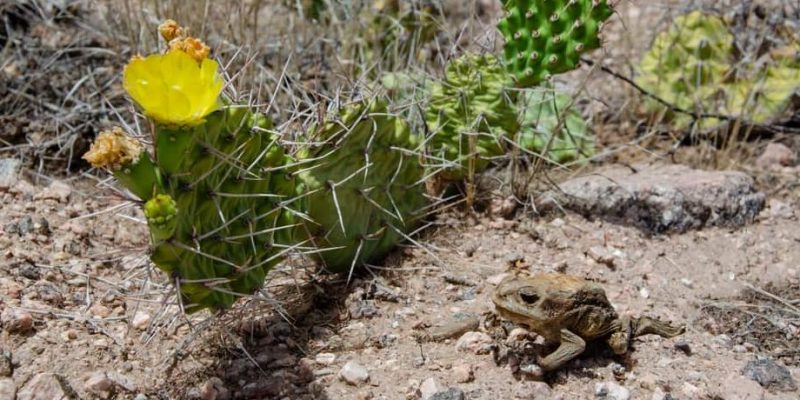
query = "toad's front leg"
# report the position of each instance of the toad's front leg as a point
(570, 347)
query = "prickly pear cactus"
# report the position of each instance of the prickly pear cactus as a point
(470, 115)
(547, 37)
(361, 185)
(688, 64)
(691, 64)
(568, 141)
(214, 188)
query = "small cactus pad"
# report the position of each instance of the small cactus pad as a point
(361, 186)
(471, 106)
(547, 37)
(542, 133)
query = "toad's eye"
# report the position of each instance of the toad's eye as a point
(528, 297)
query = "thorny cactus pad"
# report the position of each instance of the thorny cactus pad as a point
(471, 112)
(553, 128)
(547, 37)
(361, 186)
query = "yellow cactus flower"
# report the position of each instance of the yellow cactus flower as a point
(191, 46)
(173, 88)
(113, 149)
(170, 30)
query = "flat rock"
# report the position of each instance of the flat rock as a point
(611, 391)
(451, 393)
(47, 386)
(660, 198)
(9, 170)
(770, 375)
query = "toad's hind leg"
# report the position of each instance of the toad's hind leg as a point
(571, 346)
(647, 326)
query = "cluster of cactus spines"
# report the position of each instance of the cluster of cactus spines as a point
(548, 37)
(553, 128)
(470, 115)
(361, 185)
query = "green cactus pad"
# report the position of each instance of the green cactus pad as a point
(216, 224)
(547, 37)
(361, 186)
(571, 141)
(473, 100)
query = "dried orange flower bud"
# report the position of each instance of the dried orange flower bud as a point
(170, 30)
(192, 46)
(113, 149)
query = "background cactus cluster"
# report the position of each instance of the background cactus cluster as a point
(693, 64)
(225, 198)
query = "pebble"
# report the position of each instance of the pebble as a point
(140, 320)
(448, 394)
(98, 383)
(687, 283)
(9, 169)
(8, 390)
(46, 386)
(776, 155)
(56, 190)
(770, 375)
(602, 255)
(430, 387)
(325, 358)
(354, 373)
(6, 367)
(644, 293)
(463, 373)
(532, 391)
(683, 346)
(611, 391)
(16, 321)
(734, 387)
(475, 342)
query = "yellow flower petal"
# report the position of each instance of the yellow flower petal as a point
(173, 88)
(113, 149)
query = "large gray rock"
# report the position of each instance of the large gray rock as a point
(660, 198)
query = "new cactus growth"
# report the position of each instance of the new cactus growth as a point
(361, 186)
(551, 129)
(547, 37)
(470, 115)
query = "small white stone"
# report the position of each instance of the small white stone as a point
(463, 373)
(354, 373)
(687, 282)
(430, 387)
(612, 391)
(99, 383)
(140, 320)
(644, 292)
(474, 342)
(325, 358)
